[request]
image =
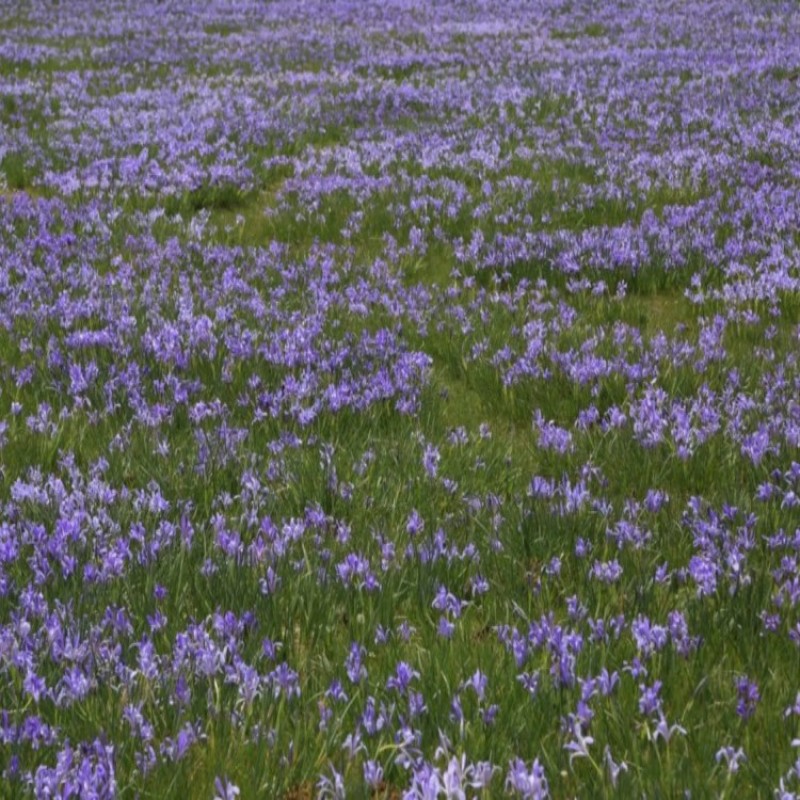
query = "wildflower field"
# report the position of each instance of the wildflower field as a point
(399, 398)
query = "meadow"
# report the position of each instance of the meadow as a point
(399, 398)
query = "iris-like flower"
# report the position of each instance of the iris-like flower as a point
(527, 783)
(732, 757)
(748, 697)
(402, 678)
(614, 769)
(578, 746)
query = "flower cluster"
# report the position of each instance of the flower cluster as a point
(399, 398)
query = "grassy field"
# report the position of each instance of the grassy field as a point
(399, 399)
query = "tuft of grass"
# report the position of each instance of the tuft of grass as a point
(18, 174)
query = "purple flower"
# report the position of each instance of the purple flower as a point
(415, 524)
(649, 699)
(402, 678)
(748, 696)
(614, 769)
(731, 756)
(373, 774)
(606, 571)
(331, 788)
(665, 731)
(578, 746)
(354, 663)
(430, 461)
(478, 683)
(527, 783)
(445, 628)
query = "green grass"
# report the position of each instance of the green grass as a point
(18, 174)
